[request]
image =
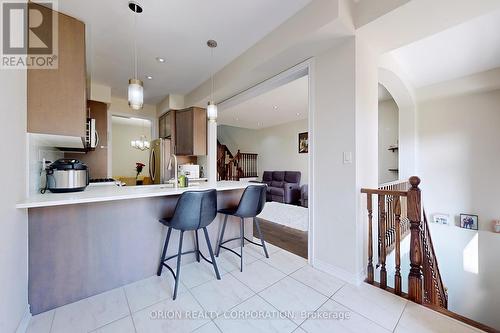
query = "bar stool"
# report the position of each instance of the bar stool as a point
(194, 210)
(251, 204)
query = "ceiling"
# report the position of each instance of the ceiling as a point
(174, 30)
(281, 105)
(465, 49)
(131, 121)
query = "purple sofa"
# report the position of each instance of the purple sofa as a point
(282, 186)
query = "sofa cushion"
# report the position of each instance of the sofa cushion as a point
(267, 176)
(278, 176)
(276, 184)
(292, 177)
(277, 191)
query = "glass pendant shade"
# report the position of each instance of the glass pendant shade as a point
(212, 111)
(135, 94)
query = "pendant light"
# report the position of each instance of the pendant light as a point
(135, 86)
(212, 107)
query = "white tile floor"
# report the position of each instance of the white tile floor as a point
(269, 296)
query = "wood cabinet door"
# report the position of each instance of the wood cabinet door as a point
(57, 97)
(199, 131)
(184, 132)
(162, 132)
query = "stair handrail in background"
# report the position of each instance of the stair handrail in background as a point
(398, 201)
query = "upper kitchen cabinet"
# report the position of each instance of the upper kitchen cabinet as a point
(57, 97)
(191, 132)
(166, 125)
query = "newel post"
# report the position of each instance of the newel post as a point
(415, 290)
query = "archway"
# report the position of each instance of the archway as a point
(405, 101)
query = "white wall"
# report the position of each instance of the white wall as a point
(388, 135)
(119, 106)
(468, 262)
(366, 131)
(13, 222)
(124, 156)
(277, 146)
(334, 198)
(459, 145)
(37, 151)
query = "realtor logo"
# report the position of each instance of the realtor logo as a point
(29, 35)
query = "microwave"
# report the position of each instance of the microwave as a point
(91, 135)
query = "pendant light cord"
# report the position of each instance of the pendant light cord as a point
(135, 43)
(213, 73)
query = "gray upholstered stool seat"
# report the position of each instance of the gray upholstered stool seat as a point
(251, 204)
(194, 210)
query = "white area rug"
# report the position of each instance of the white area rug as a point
(295, 217)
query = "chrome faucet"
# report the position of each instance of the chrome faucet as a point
(176, 180)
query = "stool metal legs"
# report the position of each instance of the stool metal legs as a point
(178, 271)
(221, 236)
(242, 242)
(242, 239)
(197, 246)
(210, 250)
(257, 224)
(179, 255)
(160, 267)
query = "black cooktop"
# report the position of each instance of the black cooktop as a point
(102, 180)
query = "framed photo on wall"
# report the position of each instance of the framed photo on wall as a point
(441, 219)
(468, 221)
(304, 143)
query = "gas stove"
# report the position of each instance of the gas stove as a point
(102, 181)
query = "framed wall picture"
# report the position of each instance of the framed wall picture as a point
(441, 219)
(304, 143)
(468, 221)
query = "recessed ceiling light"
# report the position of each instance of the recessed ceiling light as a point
(275, 107)
(149, 77)
(298, 114)
(160, 59)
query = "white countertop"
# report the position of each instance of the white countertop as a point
(113, 192)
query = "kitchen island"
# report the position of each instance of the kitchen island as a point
(82, 244)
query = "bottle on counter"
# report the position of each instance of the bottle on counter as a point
(183, 180)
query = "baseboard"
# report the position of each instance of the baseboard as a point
(25, 321)
(340, 272)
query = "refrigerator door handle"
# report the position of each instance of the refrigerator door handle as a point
(152, 170)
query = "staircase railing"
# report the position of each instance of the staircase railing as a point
(434, 292)
(390, 221)
(425, 285)
(241, 165)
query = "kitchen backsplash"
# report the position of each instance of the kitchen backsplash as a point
(37, 152)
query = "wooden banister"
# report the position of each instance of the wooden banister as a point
(414, 215)
(241, 165)
(400, 213)
(435, 292)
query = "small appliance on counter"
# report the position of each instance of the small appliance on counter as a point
(66, 175)
(191, 171)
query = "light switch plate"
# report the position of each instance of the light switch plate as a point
(347, 157)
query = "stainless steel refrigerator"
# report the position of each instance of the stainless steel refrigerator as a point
(159, 159)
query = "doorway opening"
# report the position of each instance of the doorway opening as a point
(131, 139)
(388, 137)
(264, 135)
